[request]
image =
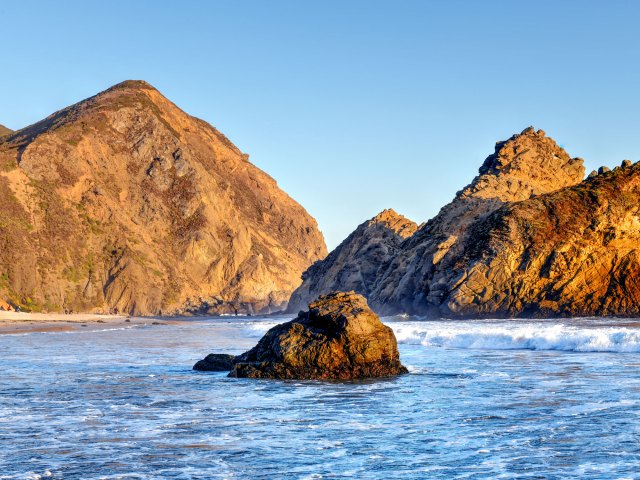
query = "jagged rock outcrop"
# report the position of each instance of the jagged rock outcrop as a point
(422, 275)
(123, 201)
(574, 252)
(525, 165)
(354, 264)
(4, 131)
(338, 338)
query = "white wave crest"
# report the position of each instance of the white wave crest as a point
(518, 336)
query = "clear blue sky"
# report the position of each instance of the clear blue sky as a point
(352, 106)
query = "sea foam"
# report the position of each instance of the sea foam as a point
(518, 336)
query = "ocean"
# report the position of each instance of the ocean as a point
(517, 399)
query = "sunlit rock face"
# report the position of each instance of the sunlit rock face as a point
(338, 338)
(125, 202)
(355, 263)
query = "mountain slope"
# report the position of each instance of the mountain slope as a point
(123, 201)
(572, 252)
(525, 165)
(4, 130)
(354, 264)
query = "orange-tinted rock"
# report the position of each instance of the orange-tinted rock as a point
(354, 264)
(338, 338)
(125, 202)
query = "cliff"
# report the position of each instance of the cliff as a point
(527, 237)
(355, 263)
(575, 252)
(525, 165)
(123, 201)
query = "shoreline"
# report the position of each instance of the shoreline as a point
(12, 323)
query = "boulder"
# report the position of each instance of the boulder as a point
(216, 362)
(338, 338)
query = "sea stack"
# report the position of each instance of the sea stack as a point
(338, 338)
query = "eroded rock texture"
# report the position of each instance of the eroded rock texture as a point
(339, 337)
(355, 263)
(123, 201)
(527, 237)
(568, 253)
(525, 165)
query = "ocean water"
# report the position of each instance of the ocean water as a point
(484, 399)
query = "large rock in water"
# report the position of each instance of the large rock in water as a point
(123, 201)
(339, 337)
(355, 263)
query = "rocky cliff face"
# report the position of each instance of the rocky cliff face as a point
(525, 165)
(355, 263)
(123, 201)
(572, 252)
(467, 260)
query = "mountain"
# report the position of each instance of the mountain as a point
(354, 264)
(4, 131)
(575, 252)
(521, 167)
(429, 271)
(125, 202)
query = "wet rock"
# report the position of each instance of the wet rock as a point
(216, 362)
(338, 338)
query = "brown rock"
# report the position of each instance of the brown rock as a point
(626, 163)
(354, 264)
(338, 338)
(4, 131)
(123, 202)
(216, 362)
(574, 252)
(417, 276)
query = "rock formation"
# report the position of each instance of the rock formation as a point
(354, 264)
(442, 269)
(525, 165)
(574, 252)
(4, 131)
(338, 338)
(123, 201)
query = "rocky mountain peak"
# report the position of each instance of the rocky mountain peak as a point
(527, 164)
(354, 264)
(132, 204)
(392, 220)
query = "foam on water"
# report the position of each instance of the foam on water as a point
(518, 336)
(112, 404)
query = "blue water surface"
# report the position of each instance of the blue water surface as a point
(535, 400)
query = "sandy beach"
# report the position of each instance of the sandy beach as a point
(22, 322)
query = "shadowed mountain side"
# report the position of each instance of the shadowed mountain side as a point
(354, 264)
(123, 201)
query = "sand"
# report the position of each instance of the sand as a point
(21, 322)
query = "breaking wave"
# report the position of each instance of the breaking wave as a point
(518, 337)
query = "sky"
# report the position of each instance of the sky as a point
(353, 106)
